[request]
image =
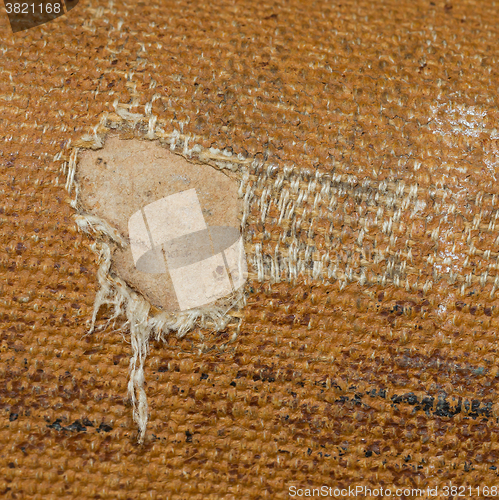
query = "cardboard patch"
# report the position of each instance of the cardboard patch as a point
(177, 216)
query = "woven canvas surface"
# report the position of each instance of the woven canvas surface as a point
(366, 352)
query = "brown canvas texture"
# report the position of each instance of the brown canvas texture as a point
(366, 352)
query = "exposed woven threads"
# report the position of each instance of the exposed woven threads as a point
(321, 227)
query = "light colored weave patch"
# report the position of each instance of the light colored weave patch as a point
(327, 228)
(302, 225)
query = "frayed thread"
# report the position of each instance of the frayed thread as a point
(118, 296)
(144, 325)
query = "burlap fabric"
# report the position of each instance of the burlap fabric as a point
(368, 357)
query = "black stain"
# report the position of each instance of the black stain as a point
(104, 428)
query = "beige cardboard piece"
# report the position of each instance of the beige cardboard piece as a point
(125, 176)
